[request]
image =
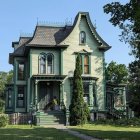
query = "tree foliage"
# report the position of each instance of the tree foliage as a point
(134, 86)
(127, 17)
(79, 112)
(116, 73)
(5, 78)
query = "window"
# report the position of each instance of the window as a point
(42, 64)
(86, 92)
(9, 98)
(20, 96)
(86, 64)
(49, 64)
(82, 37)
(21, 70)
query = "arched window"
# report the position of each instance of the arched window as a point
(82, 37)
(49, 64)
(42, 64)
(86, 64)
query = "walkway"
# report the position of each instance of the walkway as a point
(72, 132)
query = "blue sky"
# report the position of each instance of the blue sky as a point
(20, 16)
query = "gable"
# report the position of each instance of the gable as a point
(83, 22)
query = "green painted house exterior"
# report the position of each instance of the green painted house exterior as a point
(44, 65)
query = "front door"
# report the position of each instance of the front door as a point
(45, 94)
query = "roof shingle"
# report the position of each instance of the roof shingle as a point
(45, 35)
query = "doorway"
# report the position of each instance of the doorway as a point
(45, 94)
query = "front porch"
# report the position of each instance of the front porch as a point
(47, 97)
(46, 88)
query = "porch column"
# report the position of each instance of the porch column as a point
(95, 96)
(61, 95)
(91, 94)
(36, 94)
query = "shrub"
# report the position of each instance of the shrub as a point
(1, 106)
(3, 120)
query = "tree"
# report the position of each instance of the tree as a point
(2, 82)
(116, 73)
(127, 17)
(134, 87)
(79, 111)
(5, 78)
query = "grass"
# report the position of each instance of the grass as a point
(109, 132)
(25, 132)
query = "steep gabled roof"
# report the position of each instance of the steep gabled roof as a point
(104, 46)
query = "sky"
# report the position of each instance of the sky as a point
(18, 17)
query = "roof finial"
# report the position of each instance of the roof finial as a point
(37, 21)
(95, 24)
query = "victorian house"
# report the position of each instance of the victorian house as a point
(43, 68)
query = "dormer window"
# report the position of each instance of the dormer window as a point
(82, 37)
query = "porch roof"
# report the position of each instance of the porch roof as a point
(49, 77)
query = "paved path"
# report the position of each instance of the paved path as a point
(72, 132)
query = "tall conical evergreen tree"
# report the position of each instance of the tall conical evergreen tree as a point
(79, 111)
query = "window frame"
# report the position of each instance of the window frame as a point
(22, 71)
(86, 65)
(82, 38)
(52, 63)
(41, 57)
(86, 93)
(20, 98)
(9, 98)
(82, 63)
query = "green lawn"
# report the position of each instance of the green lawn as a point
(109, 132)
(24, 132)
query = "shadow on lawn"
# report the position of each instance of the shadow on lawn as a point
(33, 134)
(115, 135)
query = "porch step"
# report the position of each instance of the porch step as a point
(50, 118)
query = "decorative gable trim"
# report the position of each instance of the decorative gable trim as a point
(83, 51)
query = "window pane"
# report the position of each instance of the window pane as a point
(86, 64)
(86, 92)
(42, 69)
(9, 98)
(86, 69)
(42, 64)
(82, 37)
(20, 96)
(86, 87)
(21, 71)
(49, 64)
(50, 69)
(49, 59)
(86, 60)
